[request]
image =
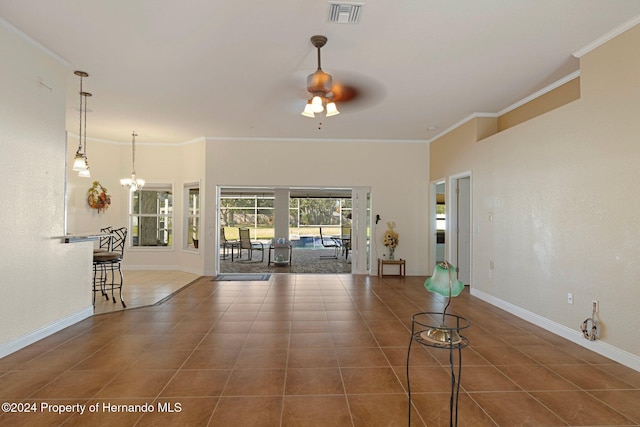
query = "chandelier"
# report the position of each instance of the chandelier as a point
(80, 161)
(319, 85)
(133, 183)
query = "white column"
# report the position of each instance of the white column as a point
(281, 222)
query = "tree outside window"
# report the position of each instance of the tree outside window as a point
(306, 215)
(151, 217)
(254, 212)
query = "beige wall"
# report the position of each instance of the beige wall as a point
(397, 174)
(558, 97)
(156, 164)
(561, 189)
(44, 283)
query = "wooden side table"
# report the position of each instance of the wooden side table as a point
(401, 263)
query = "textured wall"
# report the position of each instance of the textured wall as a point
(561, 190)
(43, 281)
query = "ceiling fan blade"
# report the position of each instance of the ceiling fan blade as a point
(344, 93)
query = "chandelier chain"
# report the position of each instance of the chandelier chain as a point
(85, 117)
(80, 130)
(133, 151)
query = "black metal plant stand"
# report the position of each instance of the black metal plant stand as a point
(423, 322)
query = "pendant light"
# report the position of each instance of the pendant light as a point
(85, 173)
(133, 183)
(80, 159)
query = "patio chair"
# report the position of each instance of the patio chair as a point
(248, 244)
(345, 236)
(228, 244)
(329, 242)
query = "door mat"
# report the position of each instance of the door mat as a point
(242, 277)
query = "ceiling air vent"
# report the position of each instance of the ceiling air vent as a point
(345, 13)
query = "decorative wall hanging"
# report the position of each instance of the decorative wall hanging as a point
(98, 197)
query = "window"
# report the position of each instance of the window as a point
(151, 217)
(192, 215)
(254, 212)
(441, 217)
(307, 215)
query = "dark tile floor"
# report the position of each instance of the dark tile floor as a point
(308, 350)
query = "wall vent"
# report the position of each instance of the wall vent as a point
(345, 13)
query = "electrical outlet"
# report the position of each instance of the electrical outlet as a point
(569, 298)
(595, 305)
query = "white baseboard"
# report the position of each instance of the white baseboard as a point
(30, 338)
(600, 347)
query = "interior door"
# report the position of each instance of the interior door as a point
(463, 191)
(361, 230)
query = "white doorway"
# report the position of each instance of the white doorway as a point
(437, 223)
(267, 212)
(460, 226)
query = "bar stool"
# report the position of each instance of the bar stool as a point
(108, 258)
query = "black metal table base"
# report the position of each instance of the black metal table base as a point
(420, 324)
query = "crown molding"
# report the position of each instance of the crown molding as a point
(347, 140)
(541, 92)
(607, 36)
(35, 43)
(511, 107)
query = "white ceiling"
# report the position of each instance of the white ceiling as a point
(176, 70)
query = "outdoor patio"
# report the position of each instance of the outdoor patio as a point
(303, 260)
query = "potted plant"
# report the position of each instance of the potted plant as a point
(391, 239)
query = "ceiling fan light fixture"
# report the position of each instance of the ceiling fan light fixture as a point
(319, 82)
(308, 110)
(319, 85)
(332, 110)
(316, 104)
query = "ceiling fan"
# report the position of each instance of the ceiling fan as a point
(325, 93)
(320, 85)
